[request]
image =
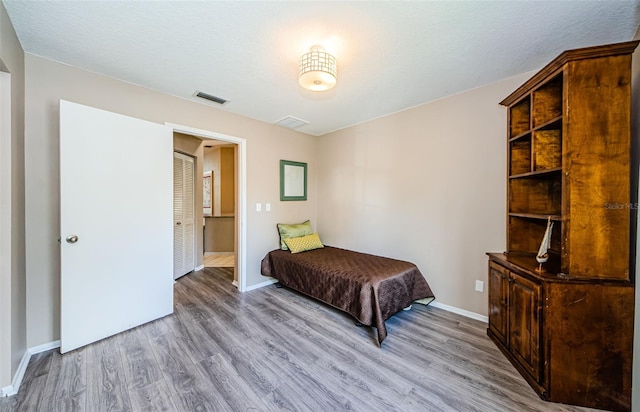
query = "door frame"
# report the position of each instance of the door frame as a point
(241, 205)
(6, 382)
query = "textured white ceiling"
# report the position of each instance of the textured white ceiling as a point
(391, 55)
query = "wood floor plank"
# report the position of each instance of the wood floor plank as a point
(31, 403)
(361, 385)
(140, 366)
(194, 339)
(66, 388)
(187, 387)
(274, 349)
(40, 363)
(340, 359)
(154, 397)
(289, 398)
(252, 366)
(106, 381)
(8, 404)
(300, 367)
(229, 385)
(467, 361)
(35, 377)
(414, 401)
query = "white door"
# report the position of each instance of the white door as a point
(115, 223)
(184, 259)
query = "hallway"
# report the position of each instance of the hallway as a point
(219, 259)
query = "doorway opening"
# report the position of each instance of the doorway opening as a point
(222, 205)
(219, 199)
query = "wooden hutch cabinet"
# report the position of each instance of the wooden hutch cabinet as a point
(568, 329)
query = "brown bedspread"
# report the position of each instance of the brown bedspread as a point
(370, 288)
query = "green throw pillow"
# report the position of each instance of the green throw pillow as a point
(304, 243)
(287, 231)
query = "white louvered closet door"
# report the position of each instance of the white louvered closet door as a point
(183, 215)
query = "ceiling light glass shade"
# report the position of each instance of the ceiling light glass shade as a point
(317, 70)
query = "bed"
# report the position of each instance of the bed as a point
(369, 288)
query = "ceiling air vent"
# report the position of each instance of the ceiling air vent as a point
(210, 97)
(291, 122)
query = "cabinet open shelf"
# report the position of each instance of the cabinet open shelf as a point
(520, 155)
(519, 117)
(539, 154)
(547, 102)
(555, 123)
(547, 149)
(538, 173)
(555, 218)
(526, 233)
(538, 196)
(521, 136)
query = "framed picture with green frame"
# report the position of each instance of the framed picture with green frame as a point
(293, 180)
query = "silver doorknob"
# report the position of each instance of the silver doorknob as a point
(72, 239)
(179, 223)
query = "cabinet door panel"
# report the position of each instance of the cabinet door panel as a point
(524, 323)
(498, 302)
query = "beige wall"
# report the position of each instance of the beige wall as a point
(13, 332)
(193, 146)
(425, 185)
(221, 161)
(212, 164)
(219, 234)
(48, 81)
(227, 181)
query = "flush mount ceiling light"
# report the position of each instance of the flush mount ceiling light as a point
(317, 70)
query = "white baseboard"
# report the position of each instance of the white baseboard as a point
(459, 311)
(17, 378)
(261, 285)
(44, 347)
(22, 368)
(199, 268)
(235, 283)
(7, 391)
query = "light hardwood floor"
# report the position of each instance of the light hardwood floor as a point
(271, 350)
(219, 259)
